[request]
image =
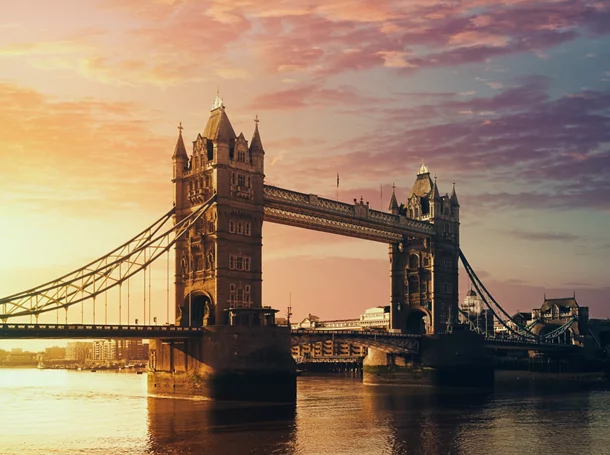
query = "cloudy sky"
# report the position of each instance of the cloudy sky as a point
(510, 99)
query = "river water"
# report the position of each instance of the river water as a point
(70, 412)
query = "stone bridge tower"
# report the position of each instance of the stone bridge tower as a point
(241, 354)
(219, 262)
(424, 271)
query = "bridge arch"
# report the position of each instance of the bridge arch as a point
(418, 321)
(199, 307)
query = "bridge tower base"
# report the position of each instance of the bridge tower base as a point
(229, 363)
(445, 360)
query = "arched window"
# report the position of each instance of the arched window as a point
(413, 261)
(416, 212)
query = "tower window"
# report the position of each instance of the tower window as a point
(241, 156)
(210, 149)
(247, 228)
(239, 262)
(241, 180)
(240, 228)
(231, 226)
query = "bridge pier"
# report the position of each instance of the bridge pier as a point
(448, 360)
(229, 363)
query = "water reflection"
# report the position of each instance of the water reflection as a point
(423, 420)
(65, 412)
(201, 427)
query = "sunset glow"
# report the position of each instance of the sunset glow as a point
(509, 99)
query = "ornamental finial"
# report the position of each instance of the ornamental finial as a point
(423, 169)
(217, 100)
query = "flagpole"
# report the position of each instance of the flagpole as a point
(381, 197)
(337, 187)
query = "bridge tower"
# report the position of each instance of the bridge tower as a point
(242, 355)
(219, 263)
(424, 271)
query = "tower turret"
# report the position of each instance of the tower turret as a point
(180, 160)
(393, 202)
(257, 152)
(455, 205)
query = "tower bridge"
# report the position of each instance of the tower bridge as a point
(224, 342)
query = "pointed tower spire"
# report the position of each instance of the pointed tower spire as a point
(393, 202)
(454, 199)
(435, 194)
(180, 149)
(255, 143)
(219, 128)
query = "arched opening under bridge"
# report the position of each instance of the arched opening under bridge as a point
(200, 308)
(418, 321)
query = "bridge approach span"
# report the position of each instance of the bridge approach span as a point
(398, 343)
(94, 331)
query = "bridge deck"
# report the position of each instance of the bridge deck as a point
(84, 331)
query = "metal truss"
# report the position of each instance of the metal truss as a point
(356, 220)
(319, 223)
(105, 273)
(387, 342)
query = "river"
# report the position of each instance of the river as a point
(70, 412)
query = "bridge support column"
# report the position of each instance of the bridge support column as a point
(229, 363)
(446, 360)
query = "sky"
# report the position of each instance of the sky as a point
(508, 99)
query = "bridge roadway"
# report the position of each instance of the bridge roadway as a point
(94, 331)
(390, 342)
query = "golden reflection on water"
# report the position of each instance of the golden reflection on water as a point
(68, 412)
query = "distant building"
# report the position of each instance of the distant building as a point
(475, 313)
(55, 353)
(376, 317)
(372, 318)
(557, 313)
(120, 349)
(78, 350)
(132, 350)
(473, 303)
(310, 322)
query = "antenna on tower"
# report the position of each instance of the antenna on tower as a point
(289, 311)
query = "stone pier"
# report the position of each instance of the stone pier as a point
(232, 363)
(447, 360)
